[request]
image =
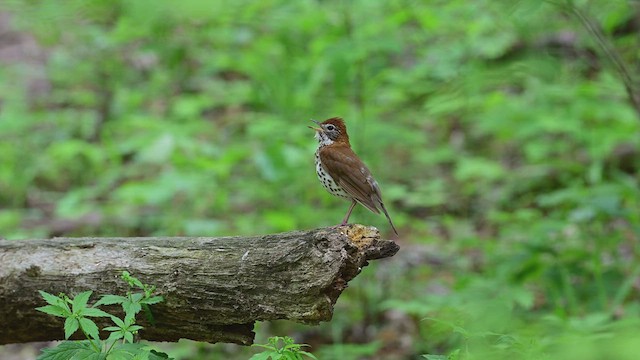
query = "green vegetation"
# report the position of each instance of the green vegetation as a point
(501, 132)
(120, 344)
(289, 350)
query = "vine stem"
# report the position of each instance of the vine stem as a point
(596, 31)
(95, 347)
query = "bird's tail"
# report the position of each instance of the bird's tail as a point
(384, 210)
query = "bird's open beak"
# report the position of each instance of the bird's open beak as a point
(315, 128)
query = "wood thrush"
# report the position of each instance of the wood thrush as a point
(342, 173)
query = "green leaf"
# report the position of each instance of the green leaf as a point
(308, 354)
(132, 280)
(143, 355)
(110, 300)
(152, 300)
(90, 328)
(95, 312)
(116, 335)
(129, 319)
(128, 337)
(157, 355)
(70, 326)
(136, 351)
(80, 301)
(131, 308)
(121, 355)
(118, 322)
(137, 283)
(263, 355)
(51, 299)
(71, 350)
(54, 310)
(134, 328)
(288, 354)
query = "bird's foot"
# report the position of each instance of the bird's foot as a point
(339, 225)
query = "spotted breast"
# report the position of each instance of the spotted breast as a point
(327, 181)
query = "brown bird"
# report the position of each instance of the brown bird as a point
(342, 173)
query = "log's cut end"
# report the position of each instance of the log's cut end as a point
(367, 239)
(215, 289)
(358, 244)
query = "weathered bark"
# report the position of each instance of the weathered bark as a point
(214, 288)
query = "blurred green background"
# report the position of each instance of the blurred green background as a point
(500, 131)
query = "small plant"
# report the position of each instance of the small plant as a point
(120, 344)
(281, 348)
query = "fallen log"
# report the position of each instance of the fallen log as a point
(214, 288)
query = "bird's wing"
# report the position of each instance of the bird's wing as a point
(352, 175)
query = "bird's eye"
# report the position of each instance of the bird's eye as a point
(331, 127)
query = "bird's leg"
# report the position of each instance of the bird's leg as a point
(346, 217)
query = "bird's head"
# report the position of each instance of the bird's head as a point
(331, 131)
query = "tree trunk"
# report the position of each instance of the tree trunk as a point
(214, 288)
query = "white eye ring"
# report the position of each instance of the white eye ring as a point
(331, 127)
